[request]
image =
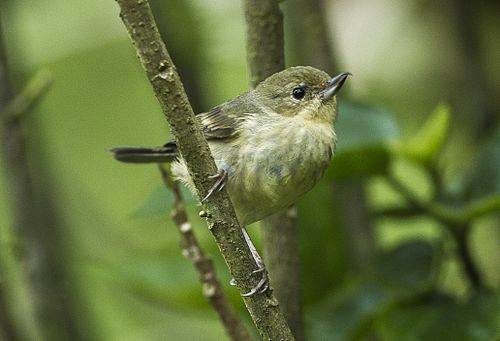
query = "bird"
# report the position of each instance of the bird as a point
(271, 144)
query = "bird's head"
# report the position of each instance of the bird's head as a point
(302, 91)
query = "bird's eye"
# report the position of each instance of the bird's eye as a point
(298, 93)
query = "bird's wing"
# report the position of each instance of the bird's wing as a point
(222, 122)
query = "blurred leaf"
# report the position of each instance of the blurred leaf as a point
(401, 274)
(161, 201)
(363, 162)
(363, 133)
(426, 144)
(478, 319)
(484, 177)
(408, 268)
(360, 125)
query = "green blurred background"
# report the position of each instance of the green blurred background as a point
(117, 247)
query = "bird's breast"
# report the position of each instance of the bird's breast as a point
(278, 164)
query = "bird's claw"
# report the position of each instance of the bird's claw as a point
(221, 177)
(261, 287)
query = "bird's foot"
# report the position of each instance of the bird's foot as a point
(219, 184)
(261, 287)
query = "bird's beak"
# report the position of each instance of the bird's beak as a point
(334, 85)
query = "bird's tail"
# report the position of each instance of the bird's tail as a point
(166, 153)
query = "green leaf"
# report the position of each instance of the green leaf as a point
(426, 144)
(399, 275)
(362, 162)
(363, 133)
(360, 125)
(444, 319)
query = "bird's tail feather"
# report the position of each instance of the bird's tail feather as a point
(167, 153)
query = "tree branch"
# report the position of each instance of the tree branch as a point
(483, 115)
(307, 18)
(32, 287)
(266, 56)
(350, 198)
(264, 42)
(212, 288)
(281, 253)
(221, 219)
(18, 311)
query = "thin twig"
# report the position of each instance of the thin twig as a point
(453, 222)
(23, 102)
(219, 212)
(212, 288)
(442, 213)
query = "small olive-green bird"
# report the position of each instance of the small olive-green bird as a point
(271, 144)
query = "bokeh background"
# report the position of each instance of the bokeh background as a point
(421, 111)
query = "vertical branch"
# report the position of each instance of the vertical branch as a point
(31, 288)
(485, 114)
(307, 19)
(281, 251)
(16, 299)
(265, 39)
(265, 56)
(317, 51)
(350, 197)
(212, 288)
(218, 210)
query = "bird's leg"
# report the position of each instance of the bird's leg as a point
(263, 284)
(219, 184)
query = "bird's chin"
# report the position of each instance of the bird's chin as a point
(320, 111)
